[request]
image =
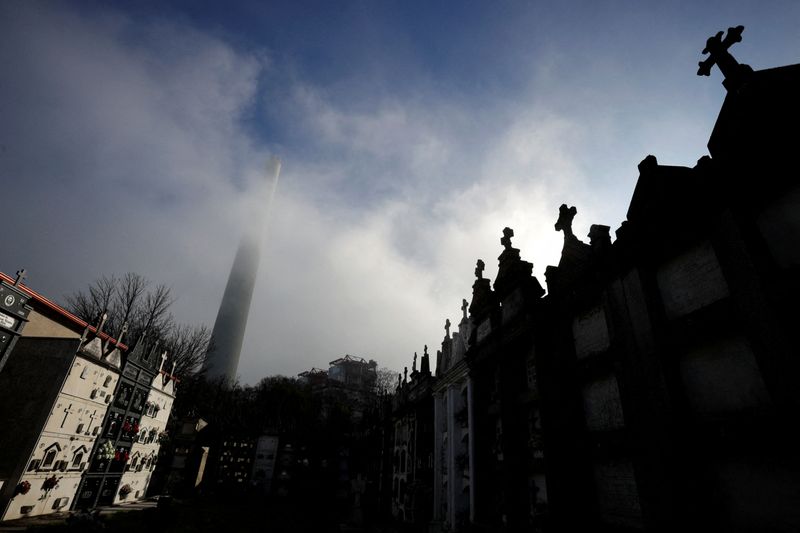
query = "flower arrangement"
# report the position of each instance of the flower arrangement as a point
(127, 427)
(23, 488)
(50, 483)
(106, 451)
(123, 455)
(125, 490)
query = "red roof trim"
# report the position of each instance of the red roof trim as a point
(58, 309)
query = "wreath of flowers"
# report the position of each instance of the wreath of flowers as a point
(125, 490)
(106, 451)
(50, 483)
(23, 487)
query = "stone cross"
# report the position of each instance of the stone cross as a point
(91, 421)
(506, 240)
(447, 328)
(67, 411)
(479, 266)
(20, 276)
(163, 360)
(717, 50)
(564, 222)
(464, 307)
(425, 352)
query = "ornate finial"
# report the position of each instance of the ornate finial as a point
(506, 239)
(464, 307)
(20, 276)
(564, 222)
(425, 352)
(414, 364)
(480, 265)
(122, 333)
(447, 328)
(101, 321)
(405, 374)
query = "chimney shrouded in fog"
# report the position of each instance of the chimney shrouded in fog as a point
(222, 359)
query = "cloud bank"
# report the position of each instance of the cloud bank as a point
(140, 145)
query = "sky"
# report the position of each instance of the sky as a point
(135, 137)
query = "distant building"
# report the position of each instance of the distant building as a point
(349, 379)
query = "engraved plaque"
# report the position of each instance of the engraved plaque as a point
(691, 281)
(617, 493)
(602, 406)
(723, 377)
(590, 332)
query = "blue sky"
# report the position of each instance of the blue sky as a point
(135, 135)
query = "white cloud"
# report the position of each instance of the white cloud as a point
(130, 151)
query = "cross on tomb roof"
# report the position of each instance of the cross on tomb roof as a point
(717, 50)
(20, 276)
(565, 216)
(464, 306)
(447, 327)
(480, 265)
(506, 239)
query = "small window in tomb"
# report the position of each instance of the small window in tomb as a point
(76, 461)
(34, 464)
(84, 372)
(107, 382)
(96, 430)
(80, 428)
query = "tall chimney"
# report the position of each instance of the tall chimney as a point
(222, 359)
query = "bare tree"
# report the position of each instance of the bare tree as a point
(128, 300)
(187, 346)
(128, 296)
(386, 381)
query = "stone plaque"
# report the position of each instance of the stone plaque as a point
(590, 332)
(512, 305)
(691, 281)
(602, 406)
(617, 493)
(723, 377)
